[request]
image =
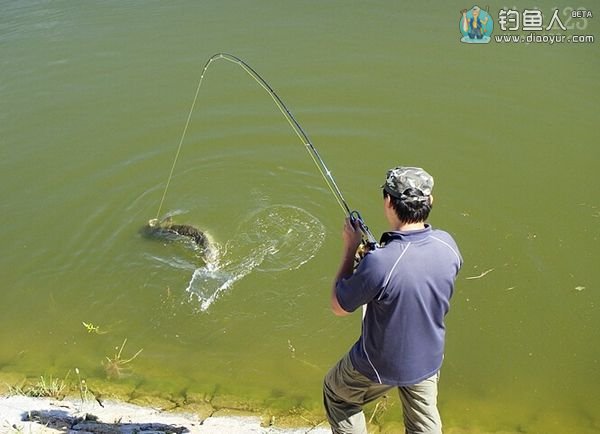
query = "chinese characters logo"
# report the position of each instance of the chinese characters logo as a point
(532, 20)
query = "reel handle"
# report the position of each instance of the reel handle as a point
(368, 241)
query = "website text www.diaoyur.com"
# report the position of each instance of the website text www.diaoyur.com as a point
(534, 38)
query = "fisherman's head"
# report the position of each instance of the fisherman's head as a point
(475, 10)
(409, 191)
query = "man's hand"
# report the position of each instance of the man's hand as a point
(352, 236)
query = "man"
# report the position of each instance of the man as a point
(406, 285)
(474, 27)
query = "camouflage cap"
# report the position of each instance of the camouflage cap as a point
(401, 179)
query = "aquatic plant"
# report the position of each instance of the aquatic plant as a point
(116, 367)
(91, 328)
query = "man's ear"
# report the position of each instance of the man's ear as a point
(387, 201)
(431, 199)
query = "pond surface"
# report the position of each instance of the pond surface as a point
(93, 100)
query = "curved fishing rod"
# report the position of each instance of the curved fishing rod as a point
(354, 215)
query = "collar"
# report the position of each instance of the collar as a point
(407, 236)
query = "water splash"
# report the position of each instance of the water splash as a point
(289, 236)
(271, 239)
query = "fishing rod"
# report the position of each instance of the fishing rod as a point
(368, 242)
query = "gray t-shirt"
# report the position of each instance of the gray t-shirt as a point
(406, 285)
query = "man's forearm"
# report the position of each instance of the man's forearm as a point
(346, 267)
(345, 270)
(352, 237)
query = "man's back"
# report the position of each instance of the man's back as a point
(407, 285)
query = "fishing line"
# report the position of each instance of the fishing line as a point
(325, 172)
(282, 108)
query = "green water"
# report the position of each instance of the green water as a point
(93, 100)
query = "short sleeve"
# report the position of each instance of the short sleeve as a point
(362, 287)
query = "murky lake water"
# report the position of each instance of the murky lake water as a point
(93, 100)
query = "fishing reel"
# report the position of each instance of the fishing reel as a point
(367, 242)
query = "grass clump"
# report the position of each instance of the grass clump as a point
(44, 388)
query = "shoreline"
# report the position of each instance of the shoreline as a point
(66, 402)
(61, 410)
(24, 414)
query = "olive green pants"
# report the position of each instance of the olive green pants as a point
(345, 391)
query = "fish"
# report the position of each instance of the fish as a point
(166, 229)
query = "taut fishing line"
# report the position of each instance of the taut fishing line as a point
(325, 172)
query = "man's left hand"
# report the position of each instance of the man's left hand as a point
(352, 236)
